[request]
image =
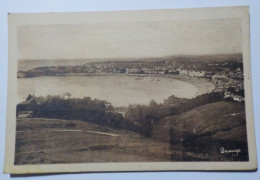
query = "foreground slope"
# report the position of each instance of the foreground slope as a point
(193, 135)
(51, 141)
(204, 130)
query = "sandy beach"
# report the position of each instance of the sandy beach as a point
(204, 85)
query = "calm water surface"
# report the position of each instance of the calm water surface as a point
(120, 90)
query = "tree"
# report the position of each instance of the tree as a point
(153, 103)
(29, 97)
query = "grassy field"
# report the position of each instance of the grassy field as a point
(194, 135)
(50, 141)
(211, 117)
(202, 131)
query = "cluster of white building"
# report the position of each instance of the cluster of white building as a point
(230, 79)
(235, 97)
(145, 70)
(163, 70)
(192, 73)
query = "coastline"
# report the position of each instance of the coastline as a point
(202, 84)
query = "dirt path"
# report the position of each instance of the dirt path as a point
(103, 133)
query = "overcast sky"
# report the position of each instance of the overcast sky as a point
(130, 40)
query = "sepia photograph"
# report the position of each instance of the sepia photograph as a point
(154, 88)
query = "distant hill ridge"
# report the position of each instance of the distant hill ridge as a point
(215, 57)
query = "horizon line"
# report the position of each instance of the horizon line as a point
(146, 57)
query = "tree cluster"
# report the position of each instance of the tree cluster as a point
(145, 116)
(94, 111)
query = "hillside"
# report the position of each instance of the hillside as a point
(151, 65)
(91, 131)
(205, 129)
(51, 141)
